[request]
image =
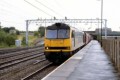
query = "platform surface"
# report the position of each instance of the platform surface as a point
(90, 63)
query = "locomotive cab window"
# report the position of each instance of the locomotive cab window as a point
(51, 34)
(63, 33)
(59, 33)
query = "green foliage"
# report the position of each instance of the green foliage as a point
(10, 40)
(0, 27)
(41, 30)
(7, 39)
(6, 29)
(31, 40)
(2, 36)
(18, 32)
(3, 45)
(24, 40)
(36, 33)
(12, 28)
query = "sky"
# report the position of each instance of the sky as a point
(16, 12)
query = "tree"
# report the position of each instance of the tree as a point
(41, 30)
(12, 28)
(24, 40)
(17, 32)
(36, 33)
(0, 27)
(10, 39)
(6, 29)
(2, 36)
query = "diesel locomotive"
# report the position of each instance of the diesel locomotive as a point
(61, 40)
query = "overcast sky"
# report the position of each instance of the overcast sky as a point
(15, 12)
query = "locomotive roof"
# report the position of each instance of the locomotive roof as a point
(58, 26)
(62, 26)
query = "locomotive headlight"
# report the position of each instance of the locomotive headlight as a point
(47, 48)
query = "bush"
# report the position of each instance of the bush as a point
(41, 30)
(2, 36)
(7, 39)
(24, 40)
(36, 33)
(18, 32)
(10, 40)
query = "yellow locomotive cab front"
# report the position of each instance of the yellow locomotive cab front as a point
(57, 45)
(57, 42)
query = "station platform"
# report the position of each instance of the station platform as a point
(90, 63)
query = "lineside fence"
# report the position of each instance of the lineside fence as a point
(112, 48)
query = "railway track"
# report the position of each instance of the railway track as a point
(7, 60)
(31, 75)
(8, 50)
(18, 74)
(7, 64)
(19, 57)
(20, 64)
(2, 56)
(12, 59)
(7, 69)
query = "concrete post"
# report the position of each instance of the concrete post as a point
(27, 33)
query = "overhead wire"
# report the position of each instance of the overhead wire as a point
(11, 22)
(47, 2)
(37, 8)
(17, 7)
(48, 8)
(65, 10)
(9, 10)
(6, 11)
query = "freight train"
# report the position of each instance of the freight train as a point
(62, 40)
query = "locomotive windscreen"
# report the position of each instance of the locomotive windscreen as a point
(57, 34)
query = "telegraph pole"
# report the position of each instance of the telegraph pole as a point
(105, 29)
(101, 19)
(27, 44)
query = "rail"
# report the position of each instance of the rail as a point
(37, 71)
(112, 48)
(8, 50)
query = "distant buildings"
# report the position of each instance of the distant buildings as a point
(98, 30)
(109, 32)
(12, 31)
